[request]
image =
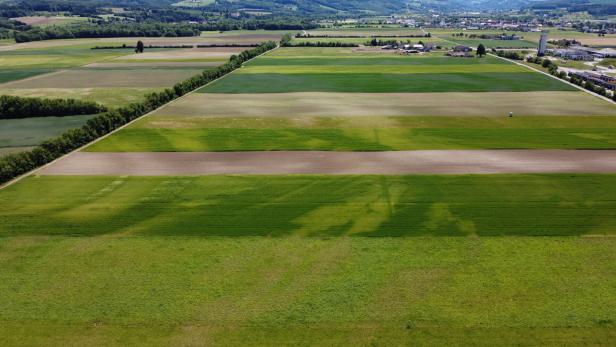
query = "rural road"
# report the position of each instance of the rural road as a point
(285, 162)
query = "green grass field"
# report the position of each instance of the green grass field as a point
(522, 205)
(161, 291)
(190, 134)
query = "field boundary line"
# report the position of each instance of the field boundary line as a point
(560, 79)
(29, 173)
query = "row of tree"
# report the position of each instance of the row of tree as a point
(18, 107)
(94, 30)
(553, 70)
(17, 164)
(287, 39)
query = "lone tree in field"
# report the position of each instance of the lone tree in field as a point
(481, 50)
(139, 48)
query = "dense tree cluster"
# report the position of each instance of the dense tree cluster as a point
(320, 44)
(18, 107)
(510, 55)
(361, 36)
(92, 30)
(17, 164)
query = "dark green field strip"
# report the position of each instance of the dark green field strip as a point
(376, 206)
(10, 75)
(241, 139)
(172, 291)
(32, 131)
(385, 83)
(385, 60)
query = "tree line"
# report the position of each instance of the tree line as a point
(552, 68)
(12, 107)
(14, 165)
(287, 39)
(95, 30)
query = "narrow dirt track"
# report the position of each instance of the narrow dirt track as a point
(400, 162)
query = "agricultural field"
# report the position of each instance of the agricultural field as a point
(366, 32)
(72, 69)
(245, 113)
(315, 259)
(381, 77)
(43, 21)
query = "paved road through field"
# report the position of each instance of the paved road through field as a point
(287, 162)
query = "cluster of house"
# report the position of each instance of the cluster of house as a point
(582, 53)
(461, 51)
(605, 81)
(409, 48)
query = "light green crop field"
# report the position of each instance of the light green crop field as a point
(183, 291)
(190, 134)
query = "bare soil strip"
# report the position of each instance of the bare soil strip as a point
(155, 64)
(391, 104)
(399, 162)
